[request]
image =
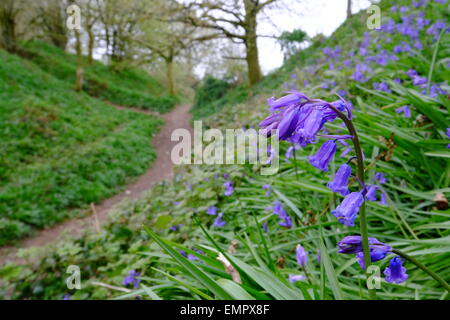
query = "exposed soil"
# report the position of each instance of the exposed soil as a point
(162, 168)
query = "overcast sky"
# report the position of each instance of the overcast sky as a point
(312, 16)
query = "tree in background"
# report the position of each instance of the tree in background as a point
(290, 41)
(235, 20)
(119, 24)
(51, 19)
(163, 37)
(8, 15)
(349, 8)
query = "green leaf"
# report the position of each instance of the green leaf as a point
(329, 270)
(198, 274)
(234, 289)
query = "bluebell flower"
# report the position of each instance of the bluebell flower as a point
(436, 28)
(277, 208)
(268, 189)
(347, 211)
(271, 123)
(411, 73)
(405, 110)
(342, 93)
(288, 122)
(418, 80)
(340, 181)
(435, 90)
(371, 194)
(188, 186)
(376, 254)
(228, 188)
(418, 45)
(323, 156)
(419, 3)
(383, 199)
(301, 255)
(402, 47)
(176, 227)
(286, 221)
(192, 257)
(353, 245)
(183, 253)
(285, 101)
(212, 211)
(265, 227)
(66, 296)
(309, 123)
(282, 214)
(395, 272)
(132, 279)
(299, 118)
(379, 176)
(295, 278)
(218, 222)
(327, 51)
(381, 86)
(422, 22)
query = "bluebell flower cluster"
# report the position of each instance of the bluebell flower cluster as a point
(406, 110)
(228, 188)
(285, 219)
(131, 278)
(301, 255)
(395, 272)
(298, 118)
(218, 222)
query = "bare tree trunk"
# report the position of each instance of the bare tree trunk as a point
(80, 71)
(91, 41)
(169, 74)
(252, 57)
(8, 25)
(349, 8)
(57, 26)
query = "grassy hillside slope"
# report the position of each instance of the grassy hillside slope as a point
(129, 87)
(60, 150)
(172, 240)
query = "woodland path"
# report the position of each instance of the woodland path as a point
(161, 169)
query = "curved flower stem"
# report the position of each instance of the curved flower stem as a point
(360, 175)
(295, 161)
(421, 266)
